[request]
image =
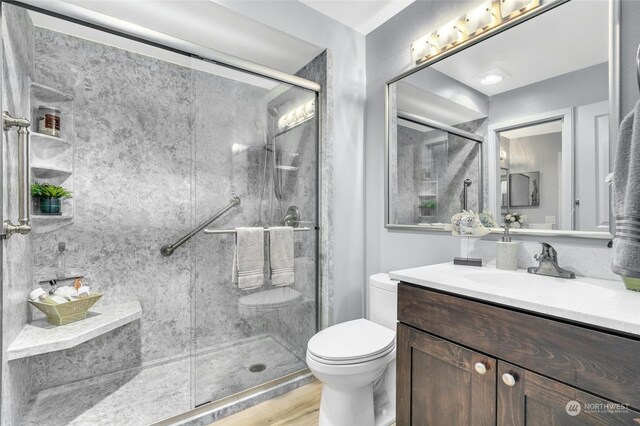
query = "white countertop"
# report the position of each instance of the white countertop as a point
(596, 302)
(39, 337)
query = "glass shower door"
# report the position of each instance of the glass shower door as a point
(256, 139)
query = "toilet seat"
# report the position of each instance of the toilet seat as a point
(351, 342)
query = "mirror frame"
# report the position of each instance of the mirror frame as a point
(614, 116)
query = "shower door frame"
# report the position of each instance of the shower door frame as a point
(98, 21)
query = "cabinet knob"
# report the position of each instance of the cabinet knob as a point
(480, 368)
(508, 379)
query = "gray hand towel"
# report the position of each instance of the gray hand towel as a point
(626, 198)
(281, 255)
(248, 258)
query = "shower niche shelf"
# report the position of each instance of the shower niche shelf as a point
(52, 157)
(40, 337)
(47, 94)
(50, 174)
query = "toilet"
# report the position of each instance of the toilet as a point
(356, 362)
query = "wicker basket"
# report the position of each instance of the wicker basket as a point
(65, 313)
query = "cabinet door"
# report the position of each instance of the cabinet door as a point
(526, 398)
(440, 383)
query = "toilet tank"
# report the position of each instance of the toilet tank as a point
(383, 298)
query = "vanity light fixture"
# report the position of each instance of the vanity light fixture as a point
(297, 116)
(486, 17)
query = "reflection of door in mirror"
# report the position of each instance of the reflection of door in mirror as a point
(533, 156)
(592, 150)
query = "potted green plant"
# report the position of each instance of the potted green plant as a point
(49, 197)
(427, 208)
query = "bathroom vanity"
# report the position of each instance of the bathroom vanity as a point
(478, 346)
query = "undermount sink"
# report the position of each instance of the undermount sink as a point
(546, 287)
(521, 280)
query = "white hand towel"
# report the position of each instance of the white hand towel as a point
(248, 258)
(626, 198)
(281, 255)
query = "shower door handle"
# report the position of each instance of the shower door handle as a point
(24, 214)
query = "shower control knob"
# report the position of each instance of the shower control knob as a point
(480, 368)
(509, 380)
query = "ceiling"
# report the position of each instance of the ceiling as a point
(209, 24)
(422, 102)
(568, 38)
(363, 16)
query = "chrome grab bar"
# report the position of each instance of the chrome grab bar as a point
(24, 207)
(168, 249)
(233, 231)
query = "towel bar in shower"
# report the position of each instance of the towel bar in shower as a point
(233, 231)
(168, 249)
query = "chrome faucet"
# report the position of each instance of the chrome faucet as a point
(548, 264)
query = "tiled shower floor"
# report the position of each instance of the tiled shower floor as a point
(148, 394)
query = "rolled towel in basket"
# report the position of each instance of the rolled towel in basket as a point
(281, 255)
(626, 201)
(248, 258)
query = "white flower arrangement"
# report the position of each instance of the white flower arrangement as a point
(513, 217)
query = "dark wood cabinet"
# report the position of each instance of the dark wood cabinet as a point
(467, 362)
(535, 400)
(444, 384)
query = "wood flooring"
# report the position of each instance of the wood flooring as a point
(299, 407)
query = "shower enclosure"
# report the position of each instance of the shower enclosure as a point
(153, 142)
(435, 169)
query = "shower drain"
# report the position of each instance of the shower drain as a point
(256, 368)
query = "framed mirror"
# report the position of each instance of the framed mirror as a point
(523, 120)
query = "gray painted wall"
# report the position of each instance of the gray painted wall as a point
(388, 54)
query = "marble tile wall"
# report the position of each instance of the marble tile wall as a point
(17, 64)
(132, 194)
(450, 163)
(221, 170)
(320, 70)
(218, 315)
(464, 161)
(300, 189)
(140, 184)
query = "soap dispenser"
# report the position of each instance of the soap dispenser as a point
(507, 252)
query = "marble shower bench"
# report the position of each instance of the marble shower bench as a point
(39, 337)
